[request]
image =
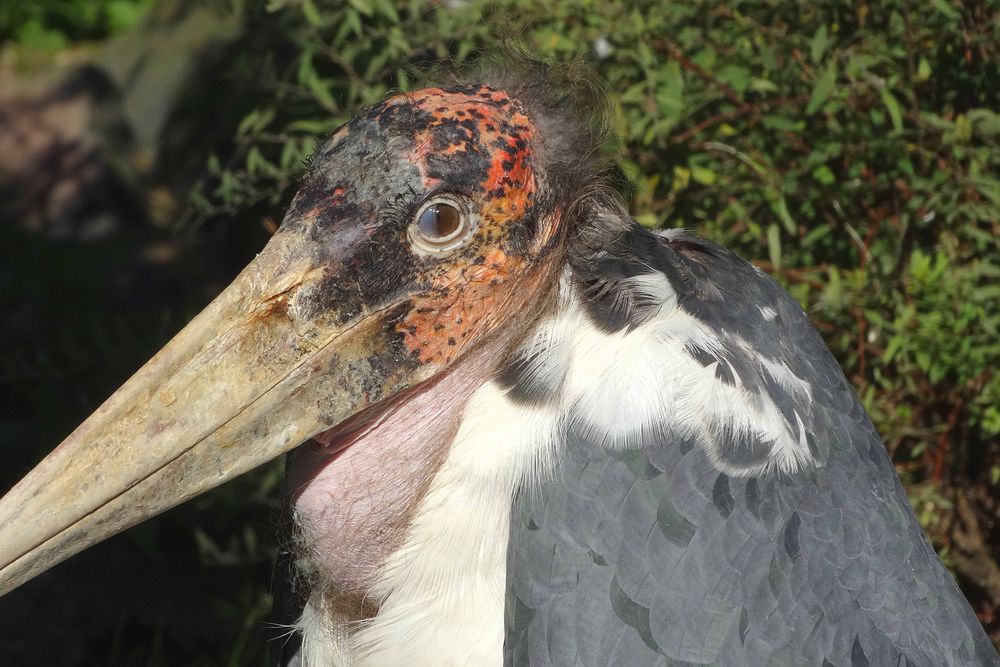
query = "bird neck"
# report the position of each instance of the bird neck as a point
(393, 580)
(350, 548)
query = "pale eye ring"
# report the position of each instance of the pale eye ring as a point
(442, 223)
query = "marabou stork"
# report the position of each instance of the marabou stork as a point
(535, 432)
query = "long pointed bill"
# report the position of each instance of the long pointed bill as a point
(266, 366)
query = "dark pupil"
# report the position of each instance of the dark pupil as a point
(439, 221)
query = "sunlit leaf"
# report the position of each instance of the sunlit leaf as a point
(824, 86)
(892, 106)
(817, 46)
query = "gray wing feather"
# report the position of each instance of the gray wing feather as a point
(653, 556)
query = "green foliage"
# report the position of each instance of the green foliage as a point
(945, 334)
(851, 148)
(53, 24)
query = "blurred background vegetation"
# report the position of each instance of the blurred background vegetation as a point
(849, 147)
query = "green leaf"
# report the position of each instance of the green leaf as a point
(763, 86)
(818, 44)
(320, 89)
(987, 294)
(945, 8)
(311, 126)
(780, 208)
(963, 129)
(35, 34)
(647, 220)
(737, 76)
(123, 13)
(923, 70)
(895, 344)
(255, 121)
(363, 6)
(669, 92)
(985, 122)
(782, 123)
(350, 23)
(646, 55)
(774, 245)
(386, 9)
(823, 88)
(705, 58)
(892, 106)
(703, 175)
(823, 175)
(988, 187)
(816, 234)
(311, 13)
(289, 153)
(682, 177)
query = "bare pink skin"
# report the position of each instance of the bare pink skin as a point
(353, 494)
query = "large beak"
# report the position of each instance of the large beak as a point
(259, 371)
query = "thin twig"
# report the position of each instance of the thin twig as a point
(796, 275)
(691, 66)
(912, 76)
(743, 110)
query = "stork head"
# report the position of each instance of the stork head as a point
(428, 231)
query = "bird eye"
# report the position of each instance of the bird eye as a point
(439, 222)
(442, 224)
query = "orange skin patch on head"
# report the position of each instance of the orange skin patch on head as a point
(467, 301)
(501, 129)
(474, 291)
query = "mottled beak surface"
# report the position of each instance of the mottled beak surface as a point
(416, 231)
(257, 373)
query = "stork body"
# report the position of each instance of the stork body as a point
(535, 432)
(681, 534)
